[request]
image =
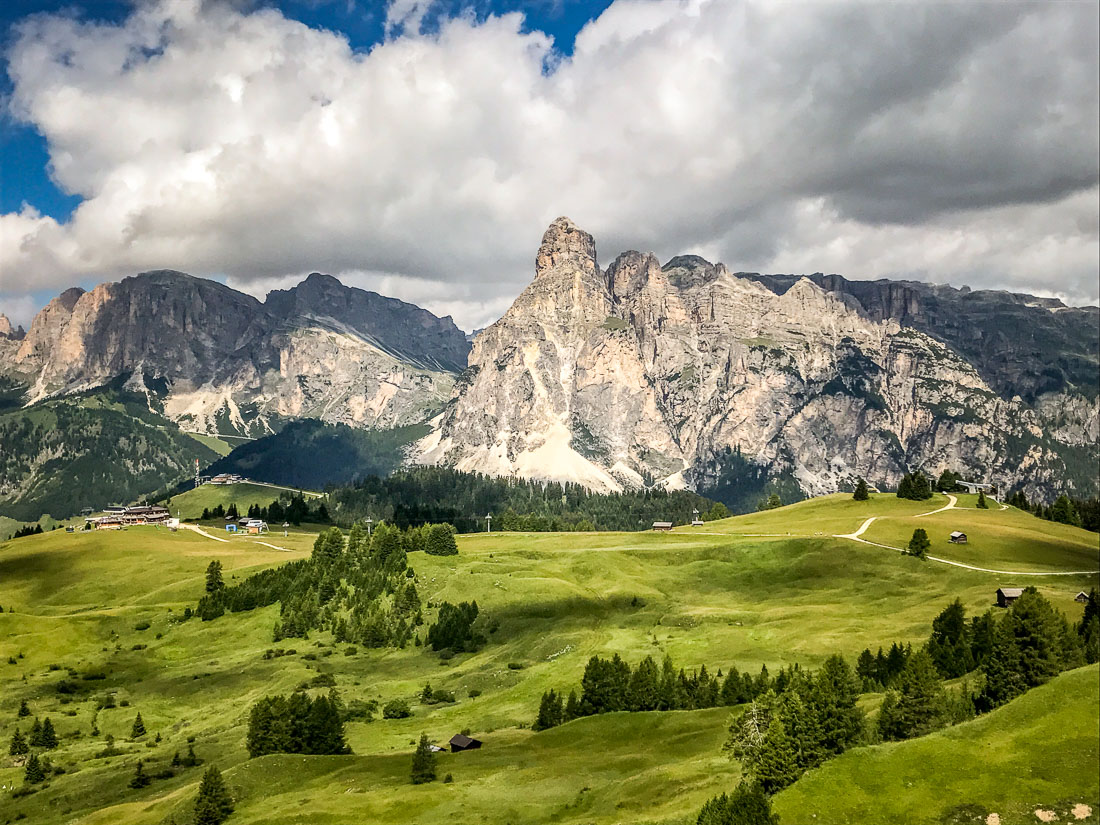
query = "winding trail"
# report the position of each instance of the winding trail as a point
(857, 536)
(202, 532)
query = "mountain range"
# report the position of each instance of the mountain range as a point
(679, 375)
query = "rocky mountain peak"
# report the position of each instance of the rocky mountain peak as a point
(7, 330)
(566, 247)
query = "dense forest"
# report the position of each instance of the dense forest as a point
(88, 451)
(360, 588)
(434, 494)
(311, 454)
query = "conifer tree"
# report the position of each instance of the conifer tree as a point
(140, 778)
(861, 493)
(34, 773)
(834, 695)
(214, 581)
(1064, 511)
(919, 544)
(48, 736)
(24, 711)
(213, 804)
(35, 737)
(18, 746)
(920, 704)
(572, 707)
(775, 761)
(982, 503)
(138, 728)
(950, 642)
(747, 805)
(423, 763)
(441, 541)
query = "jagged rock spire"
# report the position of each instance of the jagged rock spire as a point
(564, 245)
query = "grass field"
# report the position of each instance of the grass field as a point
(190, 504)
(719, 595)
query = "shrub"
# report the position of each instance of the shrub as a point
(396, 709)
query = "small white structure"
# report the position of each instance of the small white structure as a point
(697, 522)
(974, 486)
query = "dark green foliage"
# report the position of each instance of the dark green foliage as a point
(948, 482)
(311, 454)
(24, 711)
(43, 734)
(982, 503)
(1031, 644)
(1064, 511)
(214, 581)
(551, 711)
(919, 706)
(296, 724)
(718, 511)
(423, 762)
(747, 805)
(27, 530)
(441, 541)
(950, 643)
(861, 492)
(138, 728)
(213, 805)
(914, 486)
(919, 544)
(358, 589)
(18, 745)
(738, 482)
(65, 454)
(1089, 628)
(833, 694)
(33, 772)
(436, 495)
(141, 778)
(454, 628)
(772, 502)
(396, 709)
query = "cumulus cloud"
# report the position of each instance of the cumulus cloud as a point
(948, 142)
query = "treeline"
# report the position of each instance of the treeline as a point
(296, 724)
(434, 494)
(359, 587)
(291, 508)
(610, 685)
(1080, 512)
(27, 530)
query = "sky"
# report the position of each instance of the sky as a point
(421, 147)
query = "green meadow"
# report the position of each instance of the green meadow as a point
(103, 612)
(190, 504)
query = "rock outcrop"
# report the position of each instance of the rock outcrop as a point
(218, 361)
(647, 374)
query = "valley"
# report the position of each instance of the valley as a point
(103, 612)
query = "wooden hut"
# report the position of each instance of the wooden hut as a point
(462, 742)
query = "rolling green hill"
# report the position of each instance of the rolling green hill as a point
(774, 588)
(189, 505)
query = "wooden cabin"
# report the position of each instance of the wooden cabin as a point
(663, 526)
(1007, 595)
(957, 538)
(462, 742)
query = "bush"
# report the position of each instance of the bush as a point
(142, 626)
(396, 709)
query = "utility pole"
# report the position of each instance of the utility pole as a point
(489, 523)
(369, 521)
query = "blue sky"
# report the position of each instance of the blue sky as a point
(25, 173)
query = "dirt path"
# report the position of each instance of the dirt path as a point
(272, 546)
(202, 532)
(952, 501)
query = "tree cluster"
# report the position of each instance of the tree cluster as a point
(292, 508)
(296, 724)
(454, 628)
(426, 495)
(747, 805)
(785, 733)
(358, 587)
(915, 486)
(1079, 512)
(610, 685)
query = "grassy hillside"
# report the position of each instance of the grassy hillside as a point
(718, 595)
(88, 451)
(190, 504)
(1040, 752)
(311, 454)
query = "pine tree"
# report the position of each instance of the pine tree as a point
(551, 711)
(572, 708)
(48, 737)
(1064, 511)
(919, 544)
(861, 493)
(950, 642)
(214, 581)
(33, 773)
(138, 729)
(213, 804)
(747, 805)
(35, 737)
(982, 503)
(441, 541)
(834, 696)
(24, 711)
(423, 763)
(18, 745)
(919, 706)
(774, 764)
(140, 778)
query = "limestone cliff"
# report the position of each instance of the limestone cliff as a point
(648, 374)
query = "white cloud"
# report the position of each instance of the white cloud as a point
(948, 142)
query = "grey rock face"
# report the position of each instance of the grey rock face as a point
(646, 374)
(217, 360)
